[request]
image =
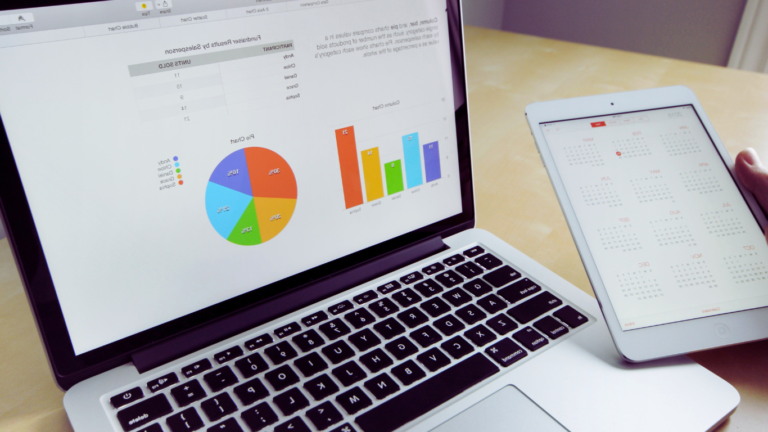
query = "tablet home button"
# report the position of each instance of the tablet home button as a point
(722, 331)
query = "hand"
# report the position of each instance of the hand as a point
(754, 176)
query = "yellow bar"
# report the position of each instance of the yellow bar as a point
(374, 187)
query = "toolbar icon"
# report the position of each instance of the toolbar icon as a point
(163, 4)
(144, 6)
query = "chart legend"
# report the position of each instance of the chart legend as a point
(251, 196)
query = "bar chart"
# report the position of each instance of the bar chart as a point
(384, 176)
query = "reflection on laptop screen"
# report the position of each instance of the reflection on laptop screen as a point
(175, 156)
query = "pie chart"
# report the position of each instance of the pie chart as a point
(251, 196)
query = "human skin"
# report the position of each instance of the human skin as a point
(754, 175)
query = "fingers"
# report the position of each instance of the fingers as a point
(753, 175)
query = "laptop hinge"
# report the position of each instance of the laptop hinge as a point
(240, 321)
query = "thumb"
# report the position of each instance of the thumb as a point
(753, 175)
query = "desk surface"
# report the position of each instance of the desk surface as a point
(514, 198)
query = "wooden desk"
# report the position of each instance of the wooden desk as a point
(514, 197)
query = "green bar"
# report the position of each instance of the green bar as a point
(394, 174)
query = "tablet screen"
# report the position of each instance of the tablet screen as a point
(671, 235)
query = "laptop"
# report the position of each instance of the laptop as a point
(244, 215)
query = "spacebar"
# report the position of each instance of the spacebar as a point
(428, 395)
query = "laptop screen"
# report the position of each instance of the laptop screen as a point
(179, 153)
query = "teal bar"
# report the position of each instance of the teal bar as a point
(412, 153)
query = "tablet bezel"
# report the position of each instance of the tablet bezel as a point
(664, 340)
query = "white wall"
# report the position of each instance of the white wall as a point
(484, 13)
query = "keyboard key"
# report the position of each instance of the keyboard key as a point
(282, 377)
(503, 276)
(218, 407)
(127, 397)
(401, 348)
(469, 270)
(406, 297)
(408, 372)
(315, 318)
(280, 353)
(341, 307)
(471, 314)
(228, 355)
(153, 428)
(144, 412)
(570, 316)
(364, 340)
(252, 391)
(354, 400)
(349, 373)
(291, 401)
(501, 324)
(449, 278)
(311, 364)
(478, 287)
(321, 387)
(220, 379)
(428, 288)
(228, 425)
(473, 252)
(196, 368)
(457, 347)
(365, 297)
(433, 359)
(519, 290)
(534, 307)
(426, 336)
(251, 365)
(383, 307)
(480, 335)
(428, 395)
(324, 416)
(551, 327)
(334, 329)
(453, 260)
(308, 340)
(259, 417)
(435, 307)
(506, 352)
(413, 317)
(389, 287)
(489, 261)
(457, 297)
(287, 330)
(492, 304)
(449, 325)
(346, 427)
(187, 420)
(338, 351)
(382, 386)
(376, 360)
(411, 278)
(187, 393)
(259, 342)
(360, 318)
(295, 424)
(530, 338)
(433, 268)
(163, 382)
(389, 328)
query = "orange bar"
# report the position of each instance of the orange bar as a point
(350, 171)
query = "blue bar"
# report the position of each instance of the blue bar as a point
(432, 161)
(412, 160)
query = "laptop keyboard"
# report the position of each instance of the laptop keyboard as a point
(371, 363)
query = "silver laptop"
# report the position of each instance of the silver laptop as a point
(246, 215)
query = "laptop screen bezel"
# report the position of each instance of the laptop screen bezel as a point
(36, 278)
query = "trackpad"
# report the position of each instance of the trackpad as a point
(508, 409)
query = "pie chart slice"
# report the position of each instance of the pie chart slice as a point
(251, 196)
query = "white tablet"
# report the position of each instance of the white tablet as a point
(671, 241)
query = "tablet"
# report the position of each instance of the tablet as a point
(672, 243)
